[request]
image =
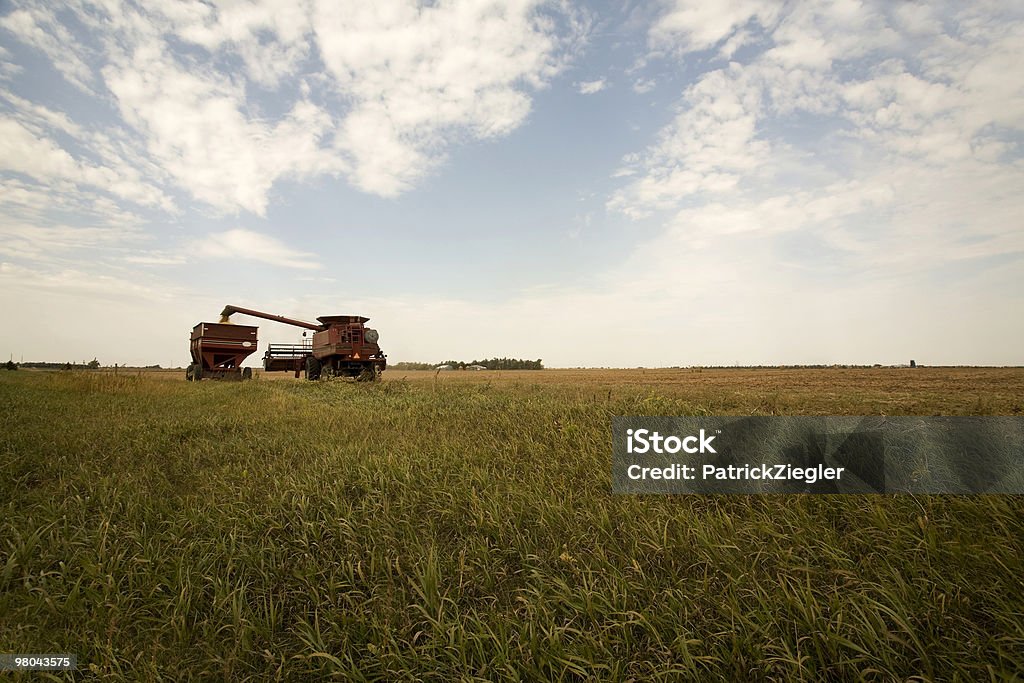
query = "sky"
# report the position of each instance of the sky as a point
(597, 185)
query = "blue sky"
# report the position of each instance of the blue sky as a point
(661, 183)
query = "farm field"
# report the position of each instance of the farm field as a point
(461, 526)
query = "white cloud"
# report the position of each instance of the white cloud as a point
(692, 26)
(39, 27)
(418, 75)
(916, 18)
(58, 242)
(401, 83)
(41, 158)
(271, 36)
(8, 69)
(101, 163)
(591, 87)
(197, 132)
(57, 208)
(23, 152)
(246, 244)
(853, 157)
(708, 148)
(155, 258)
(731, 134)
(35, 203)
(84, 286)
(644, 85)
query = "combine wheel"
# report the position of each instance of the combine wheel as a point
(326, 371)
(369, 374)
(312, 368)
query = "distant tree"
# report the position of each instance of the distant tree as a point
(10, 365)
(93, 364)
(411, 365)
(499, 364)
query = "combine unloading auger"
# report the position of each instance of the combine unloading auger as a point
(225, 317)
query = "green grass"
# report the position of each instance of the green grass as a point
(462, 531)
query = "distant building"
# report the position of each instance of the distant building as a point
(475, 367)
(444, 367)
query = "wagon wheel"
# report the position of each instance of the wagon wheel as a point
(246, 373)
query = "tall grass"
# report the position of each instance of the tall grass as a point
(461, 531)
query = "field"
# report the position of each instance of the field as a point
(461, 526)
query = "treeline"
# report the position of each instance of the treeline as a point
(488, 364)
(91, 365)
(498, 364)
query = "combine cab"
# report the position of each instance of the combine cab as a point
(218, 351)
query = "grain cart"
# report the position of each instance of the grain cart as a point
(218, 351)
(341, 346)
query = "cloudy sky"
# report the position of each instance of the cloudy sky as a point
(654, 183)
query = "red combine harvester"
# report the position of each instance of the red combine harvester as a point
(341, 346)
(218, 351)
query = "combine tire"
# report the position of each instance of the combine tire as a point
(312, 368)
(246, 373)
(369, 374)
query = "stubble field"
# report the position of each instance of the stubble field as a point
(461, 526)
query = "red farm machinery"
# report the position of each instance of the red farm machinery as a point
(218, 351)
(340, 346)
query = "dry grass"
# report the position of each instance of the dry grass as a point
(789, 391)
(795, 391)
